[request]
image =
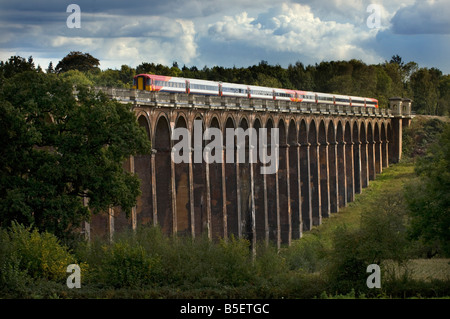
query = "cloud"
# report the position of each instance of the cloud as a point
(113, 38)
(294, 28)
(423, 17)
(226, 33)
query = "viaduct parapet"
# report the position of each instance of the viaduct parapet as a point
(327, 154)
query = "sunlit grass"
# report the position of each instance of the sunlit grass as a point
(390, 181)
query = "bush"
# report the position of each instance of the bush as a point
(418, 137)
(126, 265)
(40, 255)
(306, 254)
(382, 236)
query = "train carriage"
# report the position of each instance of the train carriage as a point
(260, 92)
(308, 97)
(285, 95)
(150, 82)
(230, 89)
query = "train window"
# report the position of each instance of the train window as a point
(234, 90)
(160, 83)
(259, 92)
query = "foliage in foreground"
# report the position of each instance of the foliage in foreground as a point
(428, 196)
(58, 149)
(147, 264)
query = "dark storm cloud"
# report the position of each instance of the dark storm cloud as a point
(423, 17)
(168, 8)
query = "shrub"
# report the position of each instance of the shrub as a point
(306, 254)
(39, 255)
(126, 265)
(382, 236)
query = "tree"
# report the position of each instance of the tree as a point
(397, 60)
(16, 64)
(428, 198)
(57, 149)
(50, 68)
(444, 95)
(76, 60)
(424, 85)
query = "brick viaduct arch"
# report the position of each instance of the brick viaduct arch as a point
(325, 158)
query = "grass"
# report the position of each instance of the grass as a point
(390, 181)
(427, 270)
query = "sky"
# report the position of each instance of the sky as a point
(228, 33)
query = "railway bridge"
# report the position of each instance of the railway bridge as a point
(326, 155)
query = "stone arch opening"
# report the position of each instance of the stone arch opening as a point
(384, 146)
(199, 178)
(342, 181)
(215, 184)
(162, 145)
(305, 176)
(323, 170)
(259, 189)
(283, 195)
(314, 174)
(232, 224)
(377, 145)
(332, 168)
(143, 169)
(182, 187)
(349, 162)
(294, 179)
(390, 140)
(271, 183)
(370, 152)
(356, 158)
(244, 185)
(364, 161)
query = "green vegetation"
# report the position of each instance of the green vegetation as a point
(429, 197)
(328, 262)
(58, 149)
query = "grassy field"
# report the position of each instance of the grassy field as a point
(389, 182)
(429, 269)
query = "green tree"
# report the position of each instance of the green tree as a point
(58, 149)
(429, 197)
(444, 95)
(16, 64)
(78, 78)
(77, 60)
(425, 87)
(50, 68)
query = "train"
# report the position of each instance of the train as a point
(161, 83)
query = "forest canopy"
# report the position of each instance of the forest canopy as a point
(429, 88)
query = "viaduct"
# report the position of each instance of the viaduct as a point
(327, 154)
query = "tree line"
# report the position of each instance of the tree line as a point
(429, 88)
